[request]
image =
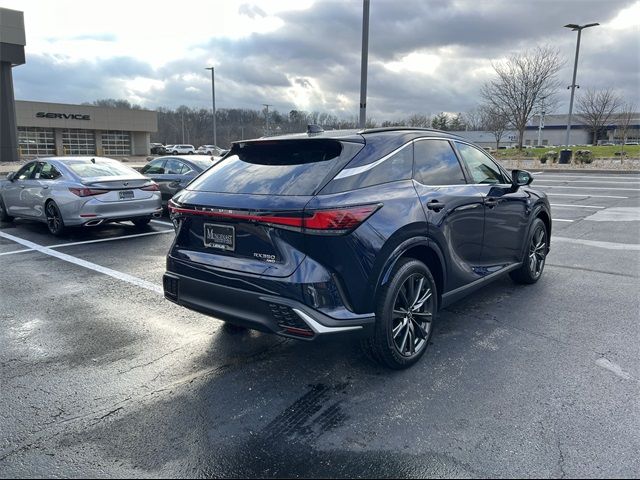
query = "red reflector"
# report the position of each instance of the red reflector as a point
(299, 331)
(87, 192)
(151, 188)
(86, 215)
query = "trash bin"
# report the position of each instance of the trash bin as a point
(565, 156)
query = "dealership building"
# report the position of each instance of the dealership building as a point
(46, 129)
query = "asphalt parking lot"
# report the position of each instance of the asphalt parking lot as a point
(100, 376)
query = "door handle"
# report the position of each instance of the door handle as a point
(435, 205)
(491, 202)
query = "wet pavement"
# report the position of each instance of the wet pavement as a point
(100, 376)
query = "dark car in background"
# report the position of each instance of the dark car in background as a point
(368, 232)
(173, 173)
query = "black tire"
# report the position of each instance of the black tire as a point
(4, 216)
(535, 255)
(175, 152)
(141, 222)
(55, 222)
(400, 341)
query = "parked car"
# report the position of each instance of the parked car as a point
(78, 191)
(209, 150)
(631, 143)
(181, 150)
(157, 149)
(369, 232)
(172, 174)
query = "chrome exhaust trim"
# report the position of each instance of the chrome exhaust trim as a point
(319, 328)
(93, 223)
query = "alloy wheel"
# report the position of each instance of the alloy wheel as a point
(412, 315)
(54, 220)
(537, 252)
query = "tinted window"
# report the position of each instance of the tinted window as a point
(175, 167)
(156, 167)
(481, 167)
(101, 168)
(25, 172)
(284, 167)
(48, 172)
(435, 163)
(396, 167)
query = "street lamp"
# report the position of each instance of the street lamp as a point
(266, 114)
(363, 65)
(573, 85)
(213, 97)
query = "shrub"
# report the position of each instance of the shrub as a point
(550, 155)
(584, 156)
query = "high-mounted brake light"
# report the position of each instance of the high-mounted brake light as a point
(87, 192)
(151, 188)
(331, 221)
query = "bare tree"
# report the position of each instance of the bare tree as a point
(417, 120)
(494, 121)
(596, 108)
(522, 81)
(473, 118)
(625, 117)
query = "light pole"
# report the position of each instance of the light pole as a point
(213, 99)
(364, 62)
(266, 105)
(573, 85)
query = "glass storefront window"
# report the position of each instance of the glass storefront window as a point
(78, 142)
(34, 141)
(116, 142)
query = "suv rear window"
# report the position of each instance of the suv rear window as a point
(281, 167)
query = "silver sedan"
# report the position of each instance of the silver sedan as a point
(78, 191)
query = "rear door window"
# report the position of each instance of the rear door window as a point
(435, 163)
(155, 167)
(49, 172)
(175, 167)
(281, 167)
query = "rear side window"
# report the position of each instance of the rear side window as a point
(175, 167)
(396, 166)
(435, 163)
(284, 167)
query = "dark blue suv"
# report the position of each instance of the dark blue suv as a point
(368, 232)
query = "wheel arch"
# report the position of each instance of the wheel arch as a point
(427, 252)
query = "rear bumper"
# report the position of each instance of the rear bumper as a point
(266, 313)
(94, 210)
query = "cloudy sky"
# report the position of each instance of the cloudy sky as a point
(425, 56)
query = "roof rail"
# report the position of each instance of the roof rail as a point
(394, 129)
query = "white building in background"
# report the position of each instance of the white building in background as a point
(46, 129)
(554, 133)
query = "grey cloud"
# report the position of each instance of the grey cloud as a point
(320, 48)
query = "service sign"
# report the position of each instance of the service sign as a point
(66, 116)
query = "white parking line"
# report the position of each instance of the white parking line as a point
(562, 220)
(563, 205)
(125, 277)
(599, 244)
(583, 195)
(590, 181)
(556, 175)
(162, 222)
(590, 188)
(122, 237)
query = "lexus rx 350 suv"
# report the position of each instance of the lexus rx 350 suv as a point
(368, 232)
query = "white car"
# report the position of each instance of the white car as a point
(182, 150)
(209, 150)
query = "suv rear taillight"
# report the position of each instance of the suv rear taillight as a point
(87, 192)
(335, 221)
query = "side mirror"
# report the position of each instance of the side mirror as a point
(521, 178)
(11, 176)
